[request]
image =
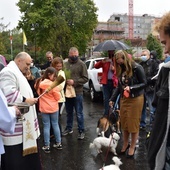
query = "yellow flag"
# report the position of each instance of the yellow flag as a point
(24, 38)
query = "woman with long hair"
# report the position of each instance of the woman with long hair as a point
(131, 85)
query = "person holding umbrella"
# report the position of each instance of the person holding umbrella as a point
(108, 79)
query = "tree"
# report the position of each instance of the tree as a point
(154, 44)
(58, 24)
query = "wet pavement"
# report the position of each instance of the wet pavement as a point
(76, 154)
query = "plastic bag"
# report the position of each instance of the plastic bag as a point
(70, 91)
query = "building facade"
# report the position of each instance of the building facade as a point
(117, 27)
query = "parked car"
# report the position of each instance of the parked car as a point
(93, 85)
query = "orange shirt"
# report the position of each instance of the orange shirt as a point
(48, 103)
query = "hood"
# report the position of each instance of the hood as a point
(45, 84)
(153, 54)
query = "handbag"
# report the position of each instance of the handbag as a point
(126, 93)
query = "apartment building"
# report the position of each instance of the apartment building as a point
(117, 27)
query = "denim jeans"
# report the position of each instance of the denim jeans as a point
(107, 92)
(51, 119)
(143, 116)
(149, 99)
(77, 104)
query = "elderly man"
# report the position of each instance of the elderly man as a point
(49, 57)
(21, 150)
(159, 141)
(151, 67)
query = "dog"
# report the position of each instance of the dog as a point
(102, 141)
(115, 166)
(107, 123)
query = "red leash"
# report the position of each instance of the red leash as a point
(107, 151)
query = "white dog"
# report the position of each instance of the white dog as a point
(115, 166)
(111, 142)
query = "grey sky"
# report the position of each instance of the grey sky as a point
(108, 7)
(9, 11)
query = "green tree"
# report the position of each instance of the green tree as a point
(58, 24)
(154, 44)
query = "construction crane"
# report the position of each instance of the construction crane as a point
(130, 19)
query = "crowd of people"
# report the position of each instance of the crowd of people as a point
(22, 83)
(139, 85)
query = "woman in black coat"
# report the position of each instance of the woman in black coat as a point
(132, 81)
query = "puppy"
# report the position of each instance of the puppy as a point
(107, 123)
(102, 141)
(115, 166)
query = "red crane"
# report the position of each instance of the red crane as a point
(130, 19)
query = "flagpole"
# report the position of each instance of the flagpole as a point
(23, 47)
(11, 45)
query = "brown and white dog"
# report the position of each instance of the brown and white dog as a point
(107, 123)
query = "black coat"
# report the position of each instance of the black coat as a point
(151, 68)
(136, 83)
(161, 102)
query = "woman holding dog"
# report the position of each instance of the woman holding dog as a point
(131, 85)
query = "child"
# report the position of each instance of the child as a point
(48, 105)
(57, 63)
(31, 80)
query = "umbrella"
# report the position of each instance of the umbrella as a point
(111, 45)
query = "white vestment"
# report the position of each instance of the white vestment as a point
(15, 86)
(7, 119)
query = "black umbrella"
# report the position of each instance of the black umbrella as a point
(111, 45)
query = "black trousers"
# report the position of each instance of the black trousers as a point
(13, 159)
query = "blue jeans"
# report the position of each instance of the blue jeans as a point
(77, 104)
(47, 120)
(149, 99)
(107, 92)
(143, 116)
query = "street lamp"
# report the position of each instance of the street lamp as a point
(33, 28)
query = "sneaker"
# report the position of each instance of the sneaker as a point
(57, 145)
(66, 132)
(81, 136)
(46, 149)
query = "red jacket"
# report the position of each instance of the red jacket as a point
(105, 67)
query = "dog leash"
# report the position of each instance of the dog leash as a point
(116, 103)
(107, 151)
(114, 108)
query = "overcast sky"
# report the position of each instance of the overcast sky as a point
(9, 11)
